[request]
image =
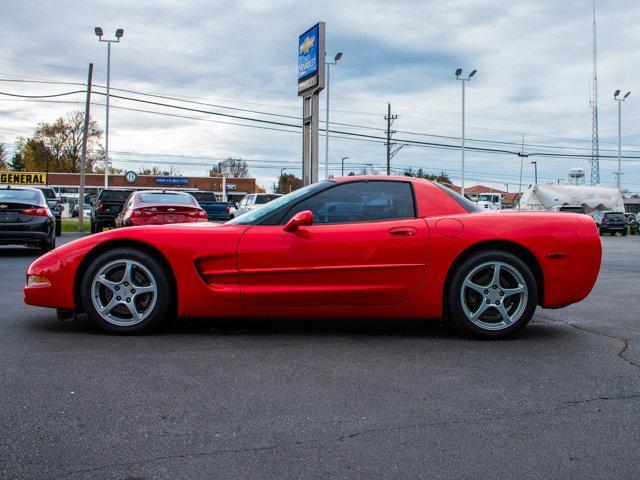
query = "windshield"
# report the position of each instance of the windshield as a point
(206, 197)
(261, 199)
(115, 194)
(256, 215)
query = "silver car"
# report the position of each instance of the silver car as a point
(254, 201)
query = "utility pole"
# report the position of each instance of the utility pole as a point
(595, 142)
(535, 165)
(83, 159)
(522, 156)
(389, 118)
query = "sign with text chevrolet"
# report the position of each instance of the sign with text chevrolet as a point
(21, 178)
(308, 52)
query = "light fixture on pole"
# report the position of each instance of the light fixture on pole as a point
(326, 124)
(119, 35)
(616, 97)
(463, 80)
(343, 159)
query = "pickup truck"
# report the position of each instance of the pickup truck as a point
(106, 208)
(216, 211)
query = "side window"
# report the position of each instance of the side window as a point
(359, 202)
(251, 199)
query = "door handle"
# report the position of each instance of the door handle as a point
(402, 231)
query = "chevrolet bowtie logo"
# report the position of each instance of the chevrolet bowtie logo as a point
(307, 45)
(3, 206)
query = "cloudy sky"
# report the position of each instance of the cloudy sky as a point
(238, 57)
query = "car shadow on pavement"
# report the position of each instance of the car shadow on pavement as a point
(266, 327)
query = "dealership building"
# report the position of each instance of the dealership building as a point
(67, 185)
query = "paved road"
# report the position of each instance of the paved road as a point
(325, 399)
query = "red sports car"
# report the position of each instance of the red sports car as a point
(366, 247)
(152, 207)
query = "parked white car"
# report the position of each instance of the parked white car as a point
(253, 201)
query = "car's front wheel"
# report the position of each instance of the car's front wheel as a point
(493, 294)
(127, 291)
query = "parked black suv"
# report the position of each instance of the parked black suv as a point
(612, 223)
(107, 207)
(55, 206)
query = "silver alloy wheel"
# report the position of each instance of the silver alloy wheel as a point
(494, 295)
(124, 292)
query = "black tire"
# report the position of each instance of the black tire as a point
(48, 246)
(159, 311)
(490, 323)
(624, 233)
(58, 227)
(92, 227)
(97, 227)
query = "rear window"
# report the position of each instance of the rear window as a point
(115, 194)
(467, 204)
(18, 196)
(207, 197)
(49, 193)
(180, 198)
(617, 217)
(260, 199)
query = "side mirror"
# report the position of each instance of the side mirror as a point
(300, 219)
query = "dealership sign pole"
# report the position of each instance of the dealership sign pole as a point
(311, 80)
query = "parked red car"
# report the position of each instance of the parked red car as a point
(151, 207)
(353, 247)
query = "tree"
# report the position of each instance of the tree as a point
(57, 146)
(32, 155)
(442, 177)
(237, 168)
(3, 157)
(287, 182)
(157, 172)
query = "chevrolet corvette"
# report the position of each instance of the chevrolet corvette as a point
(354, 247)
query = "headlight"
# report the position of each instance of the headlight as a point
(37, 281)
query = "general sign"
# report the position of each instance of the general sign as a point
(20, 178)
(131, 176)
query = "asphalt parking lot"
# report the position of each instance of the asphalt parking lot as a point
(215, 399)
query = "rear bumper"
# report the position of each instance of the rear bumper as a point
(23, 238)
(613, 227)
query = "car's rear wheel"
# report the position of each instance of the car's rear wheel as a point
(127, 291)
(58, 227)
(493, 294)
(49, 245)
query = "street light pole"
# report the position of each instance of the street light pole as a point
(326, 125)
(464, 81)
(535, 164)
(343, 159)
(620, 100)
(119, 35)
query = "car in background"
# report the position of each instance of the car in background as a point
(106, 208)
(26, 219)
(55, 206)
(632, 221)
(611, 222)
(159, 207)
(568, 209)
(76, 210)
(216, 211)
(253, 201)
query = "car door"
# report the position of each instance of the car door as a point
(366, 247)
